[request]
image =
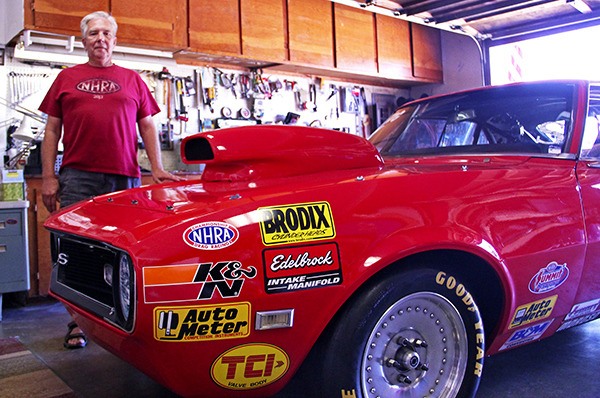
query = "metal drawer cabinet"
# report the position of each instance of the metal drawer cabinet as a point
(14, 258)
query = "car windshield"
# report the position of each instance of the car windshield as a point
(520, 119)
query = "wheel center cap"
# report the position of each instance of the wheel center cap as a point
(408, 358)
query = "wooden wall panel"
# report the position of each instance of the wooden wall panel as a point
(215, 26)
(310, 26)
(393, 47)
(264, 30)
(355, 41)
(427, 53)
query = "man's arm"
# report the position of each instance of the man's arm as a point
(52, 133)
(150, 138)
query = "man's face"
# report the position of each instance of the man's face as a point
(100, 41)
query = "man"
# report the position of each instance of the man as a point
(99, 105)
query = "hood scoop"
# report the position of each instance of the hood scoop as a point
(259, 152)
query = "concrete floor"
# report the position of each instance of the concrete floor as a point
(565, 365)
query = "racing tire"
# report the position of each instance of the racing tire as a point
(410, 334)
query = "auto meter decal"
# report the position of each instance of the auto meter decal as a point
(526, 335)
(302, 267)
(301, 222)
(250, 366)
(188, 282)
(202, 323)
(212, 235)
(549, 278)
(533, 312)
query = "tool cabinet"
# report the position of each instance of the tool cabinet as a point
(14, 257)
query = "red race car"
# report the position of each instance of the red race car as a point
(468, 224)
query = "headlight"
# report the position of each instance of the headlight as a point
(126, 291)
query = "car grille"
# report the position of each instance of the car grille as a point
(85, 274)
(84, 268)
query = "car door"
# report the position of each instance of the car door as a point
(587, 301)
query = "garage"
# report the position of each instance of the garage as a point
(271, 224)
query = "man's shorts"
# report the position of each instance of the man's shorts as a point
(77, 185)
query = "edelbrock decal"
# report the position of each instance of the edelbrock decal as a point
(211, 235)
(302, 267)
(549, 278)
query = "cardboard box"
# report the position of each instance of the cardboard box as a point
(13, 185)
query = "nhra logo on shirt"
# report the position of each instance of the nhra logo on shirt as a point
(532, 312)
(213, 235)
(98, 86)
(202, 323)
(296, 223)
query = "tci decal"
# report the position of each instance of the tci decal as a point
(532, 312)
(296, 223)
(250, 366)
(526, 335)
(212, 235)
(302, 267)
(549, 278)
(195, 282)
(202, 323)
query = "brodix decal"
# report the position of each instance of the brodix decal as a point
(202, 323)
(250, 366)
(450, 283)
(296, 223)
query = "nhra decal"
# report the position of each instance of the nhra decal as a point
(526, 335)
(195, 282)
(302, 267)
(249, 366)
(532, 312)
(212, 235)
(549, 278)
(296, 223)
(98, 86)
(202, 323)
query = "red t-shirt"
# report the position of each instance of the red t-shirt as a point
(99, 109)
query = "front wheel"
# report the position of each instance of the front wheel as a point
(411, 334)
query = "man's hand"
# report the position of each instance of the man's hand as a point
(50, 193)
(162, 175)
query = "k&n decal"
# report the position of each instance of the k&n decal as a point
(195, 281)
(302, 222)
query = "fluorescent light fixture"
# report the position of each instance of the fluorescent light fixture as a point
(580, 6)
(62, 49)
